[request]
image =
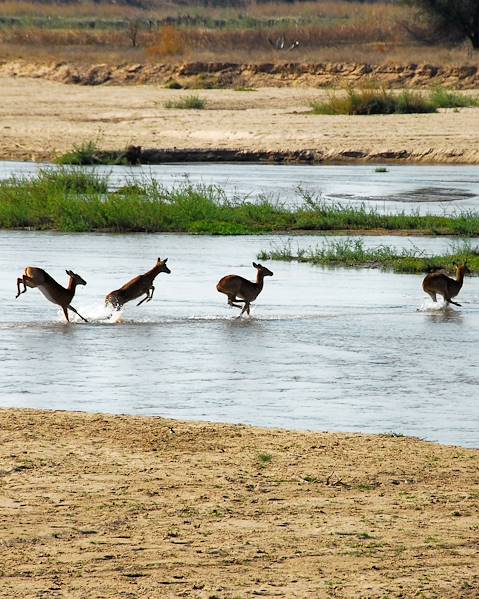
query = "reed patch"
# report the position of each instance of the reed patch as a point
(353, 253)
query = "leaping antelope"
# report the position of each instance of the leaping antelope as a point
(438, 283)
(53, 291)
(239, 289)
(138, 286)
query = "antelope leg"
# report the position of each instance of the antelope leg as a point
(245, 308)
(152, 291)
(144, 299)
(73, 310)
(19, 282)
(455, 303)
(232, 300)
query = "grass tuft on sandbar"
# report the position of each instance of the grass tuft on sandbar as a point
(352, 253)
(379, 100)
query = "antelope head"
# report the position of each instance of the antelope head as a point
(461, 268)
(76, 278)
(265, 272)
(161, 265)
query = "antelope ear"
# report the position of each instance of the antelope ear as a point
(165, 260)
(69, 273)
(255, 265)
(159, 259)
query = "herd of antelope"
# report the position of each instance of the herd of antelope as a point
(238, 289)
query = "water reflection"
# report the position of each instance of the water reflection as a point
(446, 315)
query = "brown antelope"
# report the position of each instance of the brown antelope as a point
(53, 291)
(439, 283)
(138, 286)
(239, 289)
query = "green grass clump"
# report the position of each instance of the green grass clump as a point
(81, 154)
(443, 98)
(89, 153)
(373, 101)
(353, 253)
(189, 103)
(63, 180)
(75, 199)
(264, 458)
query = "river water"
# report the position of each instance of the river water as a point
(325, 349)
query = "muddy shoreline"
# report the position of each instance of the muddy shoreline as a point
(138, 155)
(94, 505)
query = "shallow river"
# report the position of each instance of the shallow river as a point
(350, 350)
(423, 189)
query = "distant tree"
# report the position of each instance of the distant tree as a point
(456, 18)
(132, 30)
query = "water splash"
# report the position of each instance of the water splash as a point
(434, 307)
(95, 314)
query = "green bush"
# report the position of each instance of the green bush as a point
(373, 101)
(81, 154)
(189, 102)
(443, 98)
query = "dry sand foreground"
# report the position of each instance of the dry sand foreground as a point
(100, 506)
(40, 119)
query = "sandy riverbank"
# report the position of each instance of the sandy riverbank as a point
(40, 119)
(231, 74)
(102, 506)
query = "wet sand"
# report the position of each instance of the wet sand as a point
(115, 506)
(41, 119)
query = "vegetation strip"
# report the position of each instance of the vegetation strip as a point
(373, 100)
(353, 253)
(69, 199)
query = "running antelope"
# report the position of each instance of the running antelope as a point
(239, 289)
(439, 283)
(53, 291)
(138, 286)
